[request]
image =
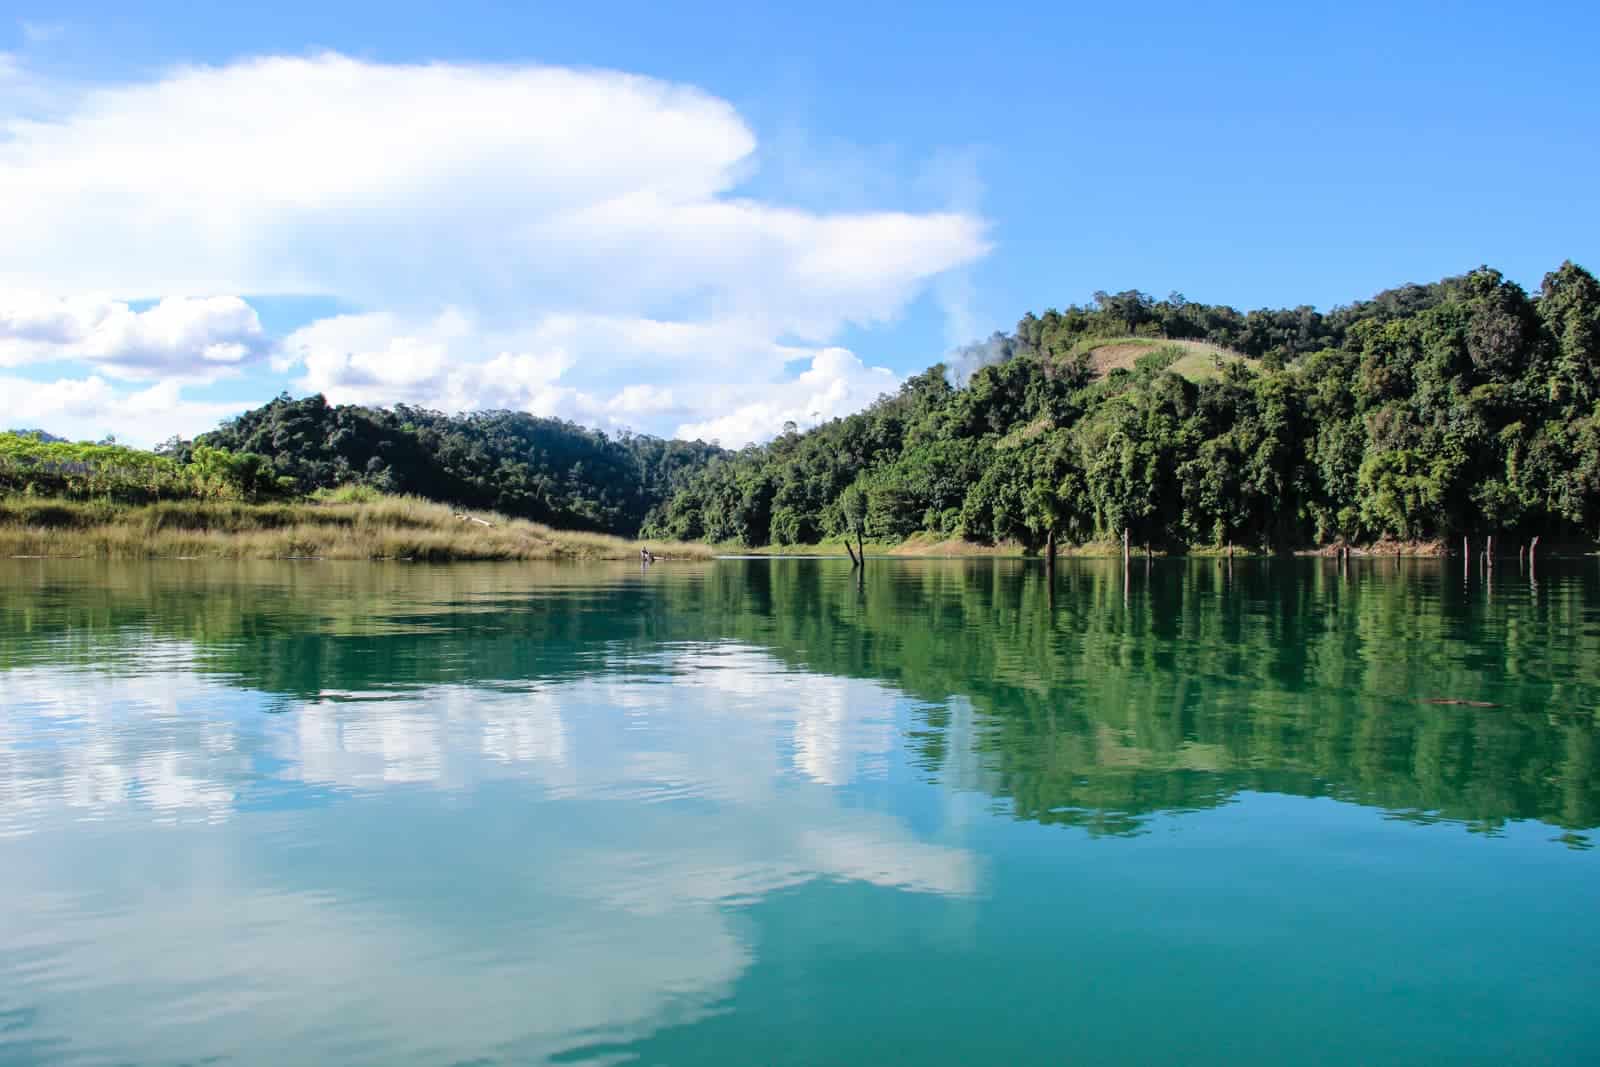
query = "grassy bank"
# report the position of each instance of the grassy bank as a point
(378, 527)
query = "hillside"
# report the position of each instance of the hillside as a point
(1467, 407)
(542, 470)
(545, 470)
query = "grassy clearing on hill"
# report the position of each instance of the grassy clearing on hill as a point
(1194, 360)
(362, 526)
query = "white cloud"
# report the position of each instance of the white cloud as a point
(196, 336)
(836, 384)
(379, 358)
(89, 408)
(524, 236)
(389, 184)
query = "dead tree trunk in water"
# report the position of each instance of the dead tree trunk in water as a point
(854, 563)
(1125, 555)
(861, 550)
(1050, 549)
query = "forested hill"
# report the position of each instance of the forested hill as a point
(547, 470)
(1463, 407)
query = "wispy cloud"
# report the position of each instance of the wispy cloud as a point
(41, 32)
(952, 179)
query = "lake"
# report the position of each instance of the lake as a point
(760, 812)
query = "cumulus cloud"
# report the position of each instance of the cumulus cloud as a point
(90, 408)
(835, 384)
(178, 336)
(523, 236)
(380, 358)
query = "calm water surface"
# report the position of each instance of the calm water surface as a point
(753, 812)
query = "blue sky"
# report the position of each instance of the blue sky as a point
(777, 214)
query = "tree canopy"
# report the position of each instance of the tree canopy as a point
(547, 470)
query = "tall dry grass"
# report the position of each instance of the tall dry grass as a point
(388, 527)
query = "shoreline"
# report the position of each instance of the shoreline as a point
(409, 529)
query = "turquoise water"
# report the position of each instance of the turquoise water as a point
(756, 812)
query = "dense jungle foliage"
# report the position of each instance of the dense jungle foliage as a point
(1462, 407)
(36, 464)
(547, 470)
